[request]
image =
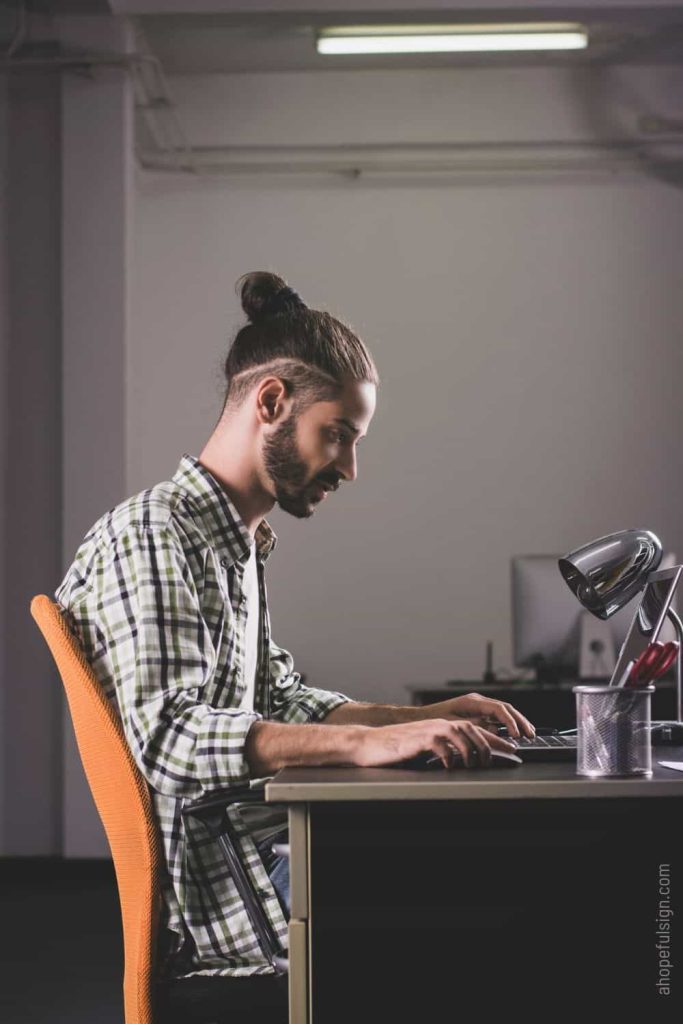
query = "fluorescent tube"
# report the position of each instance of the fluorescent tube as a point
(450, 38)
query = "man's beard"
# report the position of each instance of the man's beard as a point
(293, 489)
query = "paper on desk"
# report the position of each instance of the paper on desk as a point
(676, 765)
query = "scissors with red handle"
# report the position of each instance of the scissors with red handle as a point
(652, 663)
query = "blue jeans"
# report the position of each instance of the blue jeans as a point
(277, 867)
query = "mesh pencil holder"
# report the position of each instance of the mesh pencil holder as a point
(613, 730)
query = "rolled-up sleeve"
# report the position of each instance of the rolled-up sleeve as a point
(291, 701)
(161, 657)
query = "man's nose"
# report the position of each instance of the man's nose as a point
(346, 464)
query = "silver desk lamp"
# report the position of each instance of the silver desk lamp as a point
(607, 573)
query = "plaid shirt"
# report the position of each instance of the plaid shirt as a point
(154, 596)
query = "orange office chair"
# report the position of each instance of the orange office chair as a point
(123, 802)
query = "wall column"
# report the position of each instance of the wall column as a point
(30, 460)
(97, 142)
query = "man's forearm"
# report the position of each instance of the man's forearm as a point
(270, 746)
(273, 745)
(357, 713)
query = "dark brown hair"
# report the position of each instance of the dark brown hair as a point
(311, 351)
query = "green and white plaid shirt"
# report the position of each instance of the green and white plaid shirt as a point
(155, 597)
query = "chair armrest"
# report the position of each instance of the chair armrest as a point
(212, 810)
(221, 799)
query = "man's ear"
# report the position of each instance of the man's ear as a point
(273, 400)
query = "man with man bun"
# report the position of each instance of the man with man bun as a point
(167, 596)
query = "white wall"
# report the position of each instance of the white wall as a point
(524, 330)
(437, 105)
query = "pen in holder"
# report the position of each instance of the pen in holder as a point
(613, 730)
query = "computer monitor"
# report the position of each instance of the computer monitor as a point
(546, 618)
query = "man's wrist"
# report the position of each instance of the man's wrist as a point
(271, 746)
(406, 713)
(359, 713)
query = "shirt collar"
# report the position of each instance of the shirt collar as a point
(220, 519)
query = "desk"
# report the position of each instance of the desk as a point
(507, 885)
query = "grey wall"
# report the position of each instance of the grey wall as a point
(525, 329)
(97, 211)
(30, 727)
(65, 167)
(4, 394)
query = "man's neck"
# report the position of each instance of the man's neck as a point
(228, 458)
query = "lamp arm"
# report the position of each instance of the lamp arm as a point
(678, 626)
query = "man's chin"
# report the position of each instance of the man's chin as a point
(299, 509)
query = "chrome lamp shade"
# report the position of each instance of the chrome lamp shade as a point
(605, 574)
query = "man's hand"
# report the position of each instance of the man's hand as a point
(389, 743)
(485, 712)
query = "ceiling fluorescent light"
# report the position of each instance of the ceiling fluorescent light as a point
(450, 38)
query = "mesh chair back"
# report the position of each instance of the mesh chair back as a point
(123, 802)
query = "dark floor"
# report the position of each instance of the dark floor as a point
(62, 954)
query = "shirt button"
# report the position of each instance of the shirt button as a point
(224, 563)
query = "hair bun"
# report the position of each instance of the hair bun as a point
(264, 294)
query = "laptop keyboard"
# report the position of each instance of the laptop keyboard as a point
(546, 748)
(525, 743)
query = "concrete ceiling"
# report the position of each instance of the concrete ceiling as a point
(221, 36)
(285, 41)
(354, 7)
(60, 7)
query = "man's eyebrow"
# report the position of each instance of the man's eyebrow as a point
(347, 423)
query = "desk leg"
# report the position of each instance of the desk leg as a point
(299, 917)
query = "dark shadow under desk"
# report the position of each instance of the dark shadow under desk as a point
(503, 888)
